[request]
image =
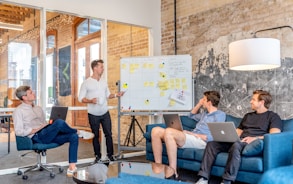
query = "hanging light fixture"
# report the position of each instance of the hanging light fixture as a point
(16, 27)
(255, 53)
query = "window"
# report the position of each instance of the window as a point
(19, 64)
(51, 41)
(87, 27)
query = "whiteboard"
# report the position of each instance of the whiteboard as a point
(156, 83)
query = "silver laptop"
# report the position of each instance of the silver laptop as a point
(223, 132)
(173, 121)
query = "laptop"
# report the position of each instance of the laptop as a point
(57, 112)
(223, 131)
(173, 121)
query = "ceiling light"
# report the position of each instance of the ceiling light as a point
(254, 54)
(16, 27)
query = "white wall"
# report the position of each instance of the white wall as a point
(145, 13)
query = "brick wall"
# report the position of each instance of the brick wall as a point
(206, 34)
(124, 41)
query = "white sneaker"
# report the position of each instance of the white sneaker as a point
(85, 134)
(71, 172)
(202, 181)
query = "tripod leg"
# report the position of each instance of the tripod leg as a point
(133, 131)
(141, 132)
(139, 126)
(128, 135)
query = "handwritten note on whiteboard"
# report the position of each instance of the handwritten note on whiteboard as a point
(156, 83)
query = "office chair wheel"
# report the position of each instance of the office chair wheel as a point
(19, 172)
(24, 177)
(52, 175)
(61, 169)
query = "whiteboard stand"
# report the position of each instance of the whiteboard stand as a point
(138, 151)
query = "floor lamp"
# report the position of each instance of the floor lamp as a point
(255, 53)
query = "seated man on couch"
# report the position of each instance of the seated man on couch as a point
(253, 126)
(197, 138)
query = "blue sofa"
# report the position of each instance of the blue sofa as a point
(276, 152)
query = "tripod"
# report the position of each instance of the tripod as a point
(132, 129)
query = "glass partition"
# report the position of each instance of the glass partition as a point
(72, 42)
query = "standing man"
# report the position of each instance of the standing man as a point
(94, 91)
(197, 138)
(29, 120)
(253, 126)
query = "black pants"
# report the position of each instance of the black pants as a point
(105, 120)
(233, 163)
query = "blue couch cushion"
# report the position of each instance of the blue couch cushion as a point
(287, 125)
(188, 123)
(254, 148)
(233, 119)
(251, 164)
(148, 136)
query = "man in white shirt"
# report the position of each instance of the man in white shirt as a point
(94, 92)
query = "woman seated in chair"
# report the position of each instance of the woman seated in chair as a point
(29, 120)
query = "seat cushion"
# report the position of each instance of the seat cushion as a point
(38, 146)
(251, 164)
(186, 153)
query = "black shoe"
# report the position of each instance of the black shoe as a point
(112, 158)
(173, 177)
(98, 159)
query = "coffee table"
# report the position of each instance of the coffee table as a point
(99, 173)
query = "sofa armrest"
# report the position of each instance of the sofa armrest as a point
(149, 128)
(277, 150)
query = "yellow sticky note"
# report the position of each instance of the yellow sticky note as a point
(147, 102)
(151, 65)
(172, 103)
(124, 66)
(125, 86)
(163, 75)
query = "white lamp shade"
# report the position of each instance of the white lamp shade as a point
(254, 54)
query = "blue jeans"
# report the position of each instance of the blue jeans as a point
(59, 132)
(105, 120)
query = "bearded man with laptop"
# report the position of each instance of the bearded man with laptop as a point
(197, 138)
(253, 126)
